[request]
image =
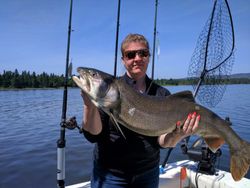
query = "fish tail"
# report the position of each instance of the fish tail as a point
(240, 161)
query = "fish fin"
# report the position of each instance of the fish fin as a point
(184, 94)
(214, 143)
(117, 125)
(240, 161)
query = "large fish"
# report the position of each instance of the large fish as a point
(154, 116)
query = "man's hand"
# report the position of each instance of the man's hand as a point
(91, 117)
(189, 127)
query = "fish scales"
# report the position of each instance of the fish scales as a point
(154, 116)
(146, 117)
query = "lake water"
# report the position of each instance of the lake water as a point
(30, 128)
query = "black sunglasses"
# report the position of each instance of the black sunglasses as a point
(141, 53)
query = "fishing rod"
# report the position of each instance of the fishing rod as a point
(117, 37)
(153, 55)
(71, 122)
(215, 64)
(61, 143)
(155, 32)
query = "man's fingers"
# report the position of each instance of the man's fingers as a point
(185, 126)
(191, 123)
(178, 126)
(196, 123)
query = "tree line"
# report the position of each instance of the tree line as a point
(186, 81)
(26, 79)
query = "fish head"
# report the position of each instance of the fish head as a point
(99, 86)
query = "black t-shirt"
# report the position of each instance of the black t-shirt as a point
(133, 155)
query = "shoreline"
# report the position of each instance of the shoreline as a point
(69, 87)
(21, 89)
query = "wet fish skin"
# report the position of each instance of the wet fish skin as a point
(154, 116)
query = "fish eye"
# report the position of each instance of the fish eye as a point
(92, 73)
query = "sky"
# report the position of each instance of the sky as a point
(33, 33)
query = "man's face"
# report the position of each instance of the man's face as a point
(136, 59)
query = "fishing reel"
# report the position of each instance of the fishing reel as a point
(199, 152)
(71, 124)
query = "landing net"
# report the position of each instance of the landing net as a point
(213, 57)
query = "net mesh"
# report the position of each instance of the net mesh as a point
(213, 57)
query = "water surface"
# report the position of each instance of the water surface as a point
(30, 127)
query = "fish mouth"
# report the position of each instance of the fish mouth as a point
(83, 82)
(86, 82)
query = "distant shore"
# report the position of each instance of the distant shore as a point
(26, 80)
(70, 87)
(47, 88)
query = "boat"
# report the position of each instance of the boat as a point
(198, 171)
(173, 177)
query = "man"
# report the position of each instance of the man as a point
(134, 161)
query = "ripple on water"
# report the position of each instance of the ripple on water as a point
(30, 128)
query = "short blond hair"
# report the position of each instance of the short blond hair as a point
(133, 38)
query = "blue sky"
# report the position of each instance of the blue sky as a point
(33, 33)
